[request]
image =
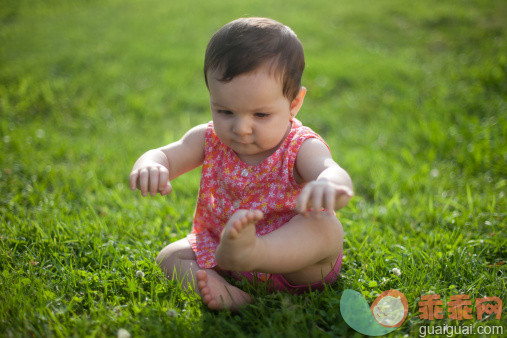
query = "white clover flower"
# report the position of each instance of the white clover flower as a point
(397, 271)
(140, 274)
(122, 333)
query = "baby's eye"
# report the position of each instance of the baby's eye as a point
(225, 112)
(261, 115)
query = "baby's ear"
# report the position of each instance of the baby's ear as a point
(297, 102)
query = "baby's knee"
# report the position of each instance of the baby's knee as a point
(164, 255)
(331, 230)
(332, 237)
(168, 259)
(171, 256)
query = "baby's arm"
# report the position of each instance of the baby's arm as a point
(154, 170)
(328, 185)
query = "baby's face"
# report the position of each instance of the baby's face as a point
(250, 113)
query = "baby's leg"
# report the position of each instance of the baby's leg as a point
(178, 262)
(303, 250)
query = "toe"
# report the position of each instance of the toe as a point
(205, 292)
(202, 276)
(213, 305)
(233, 232)
(240, 223)
(249, 216)
(207, 299)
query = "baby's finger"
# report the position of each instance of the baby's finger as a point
(167, 189)
(317, 199)
(330, 200)
(344, 190)
(302, 201)
(153, 181)
(163, 178)
(143, 181)
(133, 179)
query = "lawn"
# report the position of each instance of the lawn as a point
(410, 96)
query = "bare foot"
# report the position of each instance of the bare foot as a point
(217, 294)
(238, 241)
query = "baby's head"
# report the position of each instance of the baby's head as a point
(253, 71)
(246, 44)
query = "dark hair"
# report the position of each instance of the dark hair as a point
(245, 44)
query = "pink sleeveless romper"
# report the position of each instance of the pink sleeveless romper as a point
(228, 184)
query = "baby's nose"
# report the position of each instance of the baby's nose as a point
(242, 127)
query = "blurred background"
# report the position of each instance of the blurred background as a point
(409, 95)
(111, 79)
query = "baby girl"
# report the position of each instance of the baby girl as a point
(269, 186)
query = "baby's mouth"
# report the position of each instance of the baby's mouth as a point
(243, 142)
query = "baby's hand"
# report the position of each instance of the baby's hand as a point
(322, 193)
(151, 178)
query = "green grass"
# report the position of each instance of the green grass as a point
(410, 97)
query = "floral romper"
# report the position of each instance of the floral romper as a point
(228, 184)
